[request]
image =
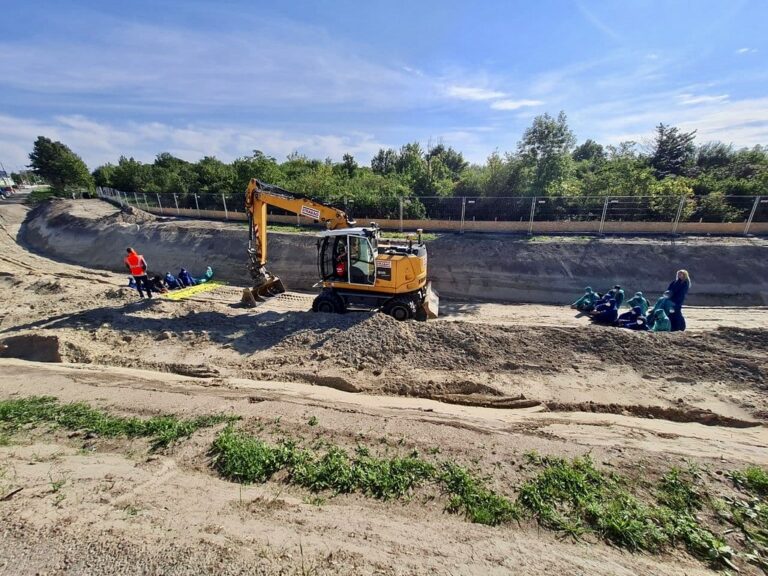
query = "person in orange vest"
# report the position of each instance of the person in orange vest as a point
(137, 266)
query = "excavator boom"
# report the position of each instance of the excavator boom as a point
(258, 196)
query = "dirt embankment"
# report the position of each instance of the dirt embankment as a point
(486, 267)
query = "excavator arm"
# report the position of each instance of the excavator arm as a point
(258, 196)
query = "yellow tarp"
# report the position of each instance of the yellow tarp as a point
(192, 290)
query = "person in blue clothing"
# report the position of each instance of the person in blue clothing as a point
(172, 282)
(606, 315)
(629, 317)
(185, 278)
(678, 289)
(587, 302)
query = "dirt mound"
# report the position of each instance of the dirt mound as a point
(378, 340)
(31, 347)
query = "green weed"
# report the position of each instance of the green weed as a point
(753, 479)
(39, 410)
(470, 496)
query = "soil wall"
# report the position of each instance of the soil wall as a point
(500, 267)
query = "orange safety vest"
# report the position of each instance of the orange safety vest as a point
(136, 263)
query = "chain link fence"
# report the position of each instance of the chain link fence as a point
(715, 214)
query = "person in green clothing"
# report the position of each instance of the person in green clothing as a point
(661, 321)
(664, 303)
(207, 277)
(587, 302)
(618, 295)
(639, 300)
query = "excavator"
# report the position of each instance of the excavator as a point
(357, 269)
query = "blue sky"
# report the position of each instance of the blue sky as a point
(327, 77)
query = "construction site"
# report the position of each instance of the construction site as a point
(503, 434)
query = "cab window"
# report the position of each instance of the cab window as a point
(362, 261)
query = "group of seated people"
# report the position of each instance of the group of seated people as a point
(168, 282)
(604, 309)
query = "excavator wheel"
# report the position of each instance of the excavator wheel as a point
(329, 303)
(400, 308)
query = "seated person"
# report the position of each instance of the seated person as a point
(603, 304)
(185, 278)
(587, 302)
(663, 303)
(618, 295)
(172, 282)
(607, 315)
(630, 316)
(340, 263)
(661, 321)
(639, 324)
(156, 283)
(639, 300)
(207, 277)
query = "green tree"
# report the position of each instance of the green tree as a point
(384, 162)
(673, 151)
(259, 166)
(546, 147)
(590, 151)
(59, 166)
(130, 175)
(103, 174)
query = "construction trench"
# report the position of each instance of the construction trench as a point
(505, 370)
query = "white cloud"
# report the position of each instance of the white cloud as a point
(746, 50)
(473, 93)
(514, 104)
(691, 99)
(98, 143)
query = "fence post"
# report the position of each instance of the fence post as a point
(400, 201)
(226, 214)
(751, 215)
(136, 199)
(679, 213)
(533, 209)
(146, 204)
(197, 206)
(160, 204)
(602, 218)
(463, 212)
(176, 201)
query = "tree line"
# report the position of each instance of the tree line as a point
(547, 162)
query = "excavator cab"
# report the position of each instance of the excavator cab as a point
(348, 256)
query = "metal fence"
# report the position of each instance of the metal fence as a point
(579, 214)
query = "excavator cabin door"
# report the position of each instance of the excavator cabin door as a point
(347, 258)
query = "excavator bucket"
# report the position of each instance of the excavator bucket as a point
(431, 302)
(271, 287)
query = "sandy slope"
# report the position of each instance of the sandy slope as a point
(625, 398)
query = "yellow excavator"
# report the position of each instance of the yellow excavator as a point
(357, 269)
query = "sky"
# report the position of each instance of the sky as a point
(329, 77)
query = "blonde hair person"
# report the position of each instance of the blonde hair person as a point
(684, 276)
(678, 289)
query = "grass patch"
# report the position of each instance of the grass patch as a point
(244, 458)
(753, 479)
(470, 496)
(574, 497)
(38, 410)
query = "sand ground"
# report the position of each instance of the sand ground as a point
(482, 385)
